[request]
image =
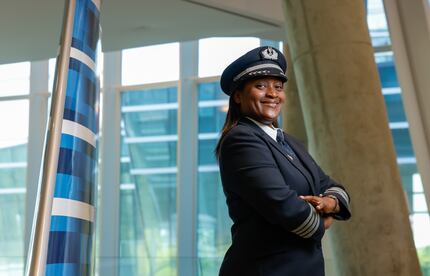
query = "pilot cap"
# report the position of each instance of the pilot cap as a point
(260, 62)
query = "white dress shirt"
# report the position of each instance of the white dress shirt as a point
(270, 130)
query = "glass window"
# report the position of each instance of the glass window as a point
(386, 69)
(377, 23)
(148, 182)
(396, 112)
(150, 97)
(420, 219)
(13, 163)
(402, 142)
(216, 53)
(158, 63)
(51, 75)
(213, 225)
(15, 79)
(13, 122)
(213, 106)
(384, 58)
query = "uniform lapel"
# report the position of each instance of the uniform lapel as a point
(306, 161)
(295, 163)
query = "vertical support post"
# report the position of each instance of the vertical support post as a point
(187, 160)
(292, 113)
(38, 248)
(410, 36)
(294, 124)
(39, 95)
(348, 133)
(108, 223)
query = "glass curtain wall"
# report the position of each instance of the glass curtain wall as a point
(149, 108)
(14, 90)
(213, 227)
(149, 137)
(148, 182)
(399, 126)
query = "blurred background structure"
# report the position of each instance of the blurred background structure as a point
(161, 210)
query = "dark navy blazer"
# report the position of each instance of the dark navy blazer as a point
(274, 232)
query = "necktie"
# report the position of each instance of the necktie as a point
(281, 140)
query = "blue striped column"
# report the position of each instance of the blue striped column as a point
(71, 245)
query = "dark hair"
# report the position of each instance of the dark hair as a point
(232, 118)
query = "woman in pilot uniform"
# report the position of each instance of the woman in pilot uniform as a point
(279, 199)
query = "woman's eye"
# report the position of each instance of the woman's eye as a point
(260, 85)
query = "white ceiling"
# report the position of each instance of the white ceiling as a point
(30, 29)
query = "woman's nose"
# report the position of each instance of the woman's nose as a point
(271, 91)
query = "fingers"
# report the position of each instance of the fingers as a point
(322, 206)
(311, 199)
(319, 202)
(314, 200)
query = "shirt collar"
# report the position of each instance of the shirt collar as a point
(269, 130)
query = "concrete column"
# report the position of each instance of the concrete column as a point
(294, 124)
(348, 134)
(292, 115)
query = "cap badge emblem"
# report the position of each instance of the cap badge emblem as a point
(269, 53)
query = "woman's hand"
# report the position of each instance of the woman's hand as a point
(323, 204)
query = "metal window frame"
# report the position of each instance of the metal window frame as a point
(187, 155)
(109, 187)
(38, 117)
(411, 81)
(186, 162)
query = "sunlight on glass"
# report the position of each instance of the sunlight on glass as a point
(15, 79)
(418, 198)
(51, 73)
(419, 201)
(377, 23)
(216, 53)
(417, 185)
(376, 15)
(13, 123)
(150, 64)
(421, 229)
(421, 220)
(384, 57)
(100, 64)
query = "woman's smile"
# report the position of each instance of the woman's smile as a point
(271, 103)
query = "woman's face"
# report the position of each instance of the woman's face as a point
(261, 99)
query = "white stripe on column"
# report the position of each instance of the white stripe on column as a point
(72, 208)
(77, 130)
(96, 3)
(82, 57)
